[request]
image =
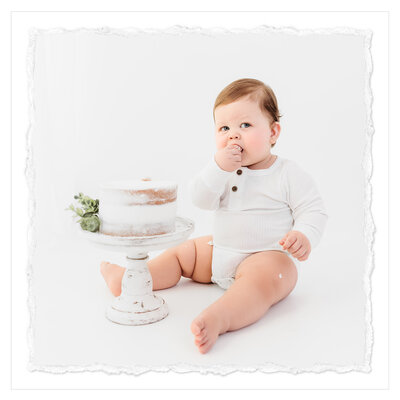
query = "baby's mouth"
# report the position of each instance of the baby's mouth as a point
(239, 147)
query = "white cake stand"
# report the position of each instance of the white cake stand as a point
(137, 304)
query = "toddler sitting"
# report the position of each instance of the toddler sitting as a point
(268, 216)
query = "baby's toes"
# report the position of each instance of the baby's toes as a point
(205, 346)
(200, 339)
(197, 326)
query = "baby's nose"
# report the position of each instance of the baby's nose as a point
(234, 135)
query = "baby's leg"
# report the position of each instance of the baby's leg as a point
(261, 280)
(191, 259)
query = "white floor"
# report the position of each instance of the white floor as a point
(320, 325)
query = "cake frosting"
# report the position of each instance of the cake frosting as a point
(137, 207)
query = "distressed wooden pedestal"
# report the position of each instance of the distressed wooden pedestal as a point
(137, 304)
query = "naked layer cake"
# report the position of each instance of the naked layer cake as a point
(137, 208)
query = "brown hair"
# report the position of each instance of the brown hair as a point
(257, 90)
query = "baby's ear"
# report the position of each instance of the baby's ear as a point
(275, 131)
(276, 126)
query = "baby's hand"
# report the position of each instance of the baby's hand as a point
(297, 244)
(229, 158)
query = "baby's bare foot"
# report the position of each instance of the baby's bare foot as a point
(206, 328)
(112, 274)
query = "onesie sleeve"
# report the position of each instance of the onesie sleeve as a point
(308, 210)
(207, 187)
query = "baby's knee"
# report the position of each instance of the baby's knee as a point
(272, 273)
(281, 280)
(186, 256)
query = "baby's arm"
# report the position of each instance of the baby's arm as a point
(208, 186)
(308, 210)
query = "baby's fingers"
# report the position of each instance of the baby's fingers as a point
(234, 151)
(231, 147)
(304, 256)
(234, 148)
(235, 157)
(298, 252)
(297, 245)
(289, 241)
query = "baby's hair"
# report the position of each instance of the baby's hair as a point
(257, 90)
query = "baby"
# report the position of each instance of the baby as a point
(268, 215)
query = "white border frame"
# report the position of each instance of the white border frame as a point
(377, 22)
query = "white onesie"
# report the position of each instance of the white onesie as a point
(255, 209)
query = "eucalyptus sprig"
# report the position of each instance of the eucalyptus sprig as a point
(88, 211)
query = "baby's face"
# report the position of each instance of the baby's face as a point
(242, 122)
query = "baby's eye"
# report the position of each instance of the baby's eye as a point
(222, 128)
(245, 123)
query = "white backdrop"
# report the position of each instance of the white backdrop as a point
(128, 104)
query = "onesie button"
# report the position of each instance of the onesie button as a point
(239, 172)
(234, 188)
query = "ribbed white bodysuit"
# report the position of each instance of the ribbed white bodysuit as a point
(254, 209)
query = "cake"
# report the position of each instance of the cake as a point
(137, 208)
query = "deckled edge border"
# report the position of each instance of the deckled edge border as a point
(30, 181)
(222, 369)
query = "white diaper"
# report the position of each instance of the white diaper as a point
(225, 262)
(224, 265)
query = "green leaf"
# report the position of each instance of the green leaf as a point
(87, 212)
(91, 224)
